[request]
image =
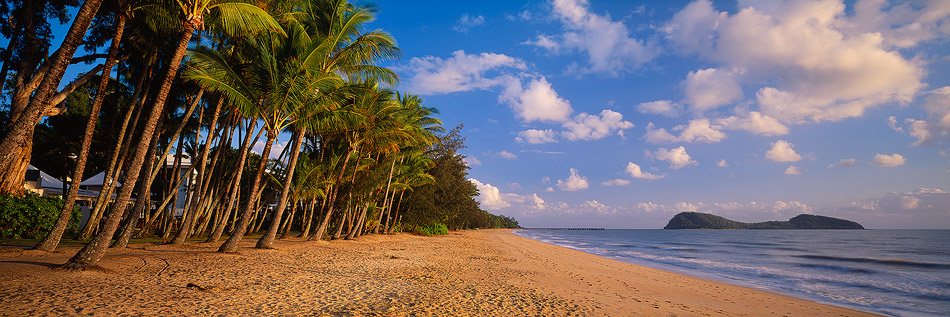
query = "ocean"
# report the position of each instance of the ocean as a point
(888, 272)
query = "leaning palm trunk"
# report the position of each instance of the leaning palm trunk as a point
(50, 242)
(235, 184)
(317, 235)
(386, 196)
(267, 241)
(92, 252)
(110, 175)
(141, 201)
(231, 245)
(19, 137)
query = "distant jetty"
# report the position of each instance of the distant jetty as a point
(696, 220)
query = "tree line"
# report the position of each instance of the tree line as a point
(207, 80)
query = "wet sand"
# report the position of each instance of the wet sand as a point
(474, 273)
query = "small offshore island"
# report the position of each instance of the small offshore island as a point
(697, 220)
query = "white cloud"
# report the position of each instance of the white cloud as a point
(707, 89)
(909, 202)
(574, 182)
(935, 127)
(722, 163)
(537, 202)
(806, 62)
(467, 22)
(916, 21)
(609, 47)
(616, 182)
(664, 108)
(507, 155)
(462, 72)
(698, 130)
(593, 127)
(275, 149)
(533, 136)
(793, 170)
(782, 151)
(636, 172)
(471, 161)
(539, 102)
(888, 160)
(489, 196)
(848, 162)
(677, 157)
(595, 205)
(756, 123)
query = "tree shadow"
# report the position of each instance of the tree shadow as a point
(43, 264)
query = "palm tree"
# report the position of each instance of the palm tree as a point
(50, 242)
(340, 50)
(233, 18)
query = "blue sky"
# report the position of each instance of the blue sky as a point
(620, 114)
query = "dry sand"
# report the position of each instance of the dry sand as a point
(480, 273)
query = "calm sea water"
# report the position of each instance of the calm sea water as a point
(890, 272)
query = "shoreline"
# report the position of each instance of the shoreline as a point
(483, 272)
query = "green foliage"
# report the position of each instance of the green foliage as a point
(431, 230)
(695, 220)
(31, 216)
(450, 199)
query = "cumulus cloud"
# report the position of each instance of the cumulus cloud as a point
(636, 172)
(608, 44)
(534, 136)
(756, 123)
(592, 127)
(808, 65)
(489, 196)
(888, 160)
(507, 155)
(698, 130)
(793, 170)
(467, 22)
(848, 162)
(432, 75)
(917, 22)
(537, 202)
(664, 108)
(707, 89)
(574, 182)
(471, 161)
(537, 102)
(616, 182)
(909, 202)
(935, 127)
(782, 151)
(722, 163)
(677, 157)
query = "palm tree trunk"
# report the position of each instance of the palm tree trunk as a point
(326, 218)
(12, 167)
(235, 184)
(267, 241)
(50, 242)
(142, 200)
(111, 172)
(396, 216)
(92, 252)
(231, 245)
(386, 196)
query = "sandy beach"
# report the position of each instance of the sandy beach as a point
(476, 273)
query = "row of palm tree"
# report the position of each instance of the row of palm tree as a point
(250, 72)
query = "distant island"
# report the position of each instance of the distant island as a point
(696, 220)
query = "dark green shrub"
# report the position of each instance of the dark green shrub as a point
(31, 216)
